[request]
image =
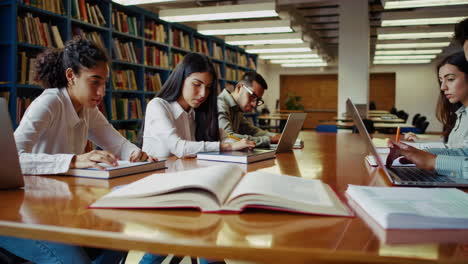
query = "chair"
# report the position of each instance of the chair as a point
(415, 118)
(423, 126)
(393, 111)
(369, 124)
(420, 121)
(372, 105)
(327, 128)
(402, 114)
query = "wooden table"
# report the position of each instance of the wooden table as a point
(55, 208)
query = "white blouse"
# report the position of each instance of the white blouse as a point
(170, 130)
(458, 137)
(51, 133)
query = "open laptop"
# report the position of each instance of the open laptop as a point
(10, 170)
(403, 176)
(290, 132)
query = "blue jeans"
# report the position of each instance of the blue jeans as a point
(157, 259)
(45, 252)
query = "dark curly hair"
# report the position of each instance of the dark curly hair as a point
(461, 31)
(445, 111)
(78, 53)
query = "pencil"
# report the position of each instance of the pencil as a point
(234, 137)
(397, 136)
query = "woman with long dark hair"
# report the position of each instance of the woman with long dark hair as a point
(183, 118)
(453, 99)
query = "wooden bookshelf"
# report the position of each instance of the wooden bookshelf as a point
(143, 49)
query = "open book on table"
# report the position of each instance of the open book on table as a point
(124, 168)
(396, 163)
(411, 207)
(222, 188)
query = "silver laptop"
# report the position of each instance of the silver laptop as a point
(10, 170)
(290, 132)
(403, 176)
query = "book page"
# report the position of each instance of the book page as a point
(282, 186)
(396, 163)
(383, 202)
(426, 145)
(121, 164)
(218, 179)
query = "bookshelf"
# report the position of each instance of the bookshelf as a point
(143, 51)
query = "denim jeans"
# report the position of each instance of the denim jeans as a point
(45, 252)
(157, 259)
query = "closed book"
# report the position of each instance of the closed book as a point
(222, 188)
(124, 168)
(411, 207)
(237, 156)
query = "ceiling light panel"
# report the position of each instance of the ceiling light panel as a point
(388, 4)
(404, 57)
(240, 28)
(412, 45)
(401, 61)
(140, 2)
(408, 52)
(261, 39)
(296, 61)
(221, 12)
(289, 56)
(295, 48)
(295, 65)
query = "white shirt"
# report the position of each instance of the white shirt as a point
(458, 137)
(51, 133)
(170, 130)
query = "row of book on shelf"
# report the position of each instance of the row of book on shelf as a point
(32, 30)
(90, 13)
(125, 80)
(180, 39)
(155, 31)
(55, 6)
(126, 108)
(25, 69)
(125, 23)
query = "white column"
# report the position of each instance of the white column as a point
(353, 53)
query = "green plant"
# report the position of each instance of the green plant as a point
(292, 102)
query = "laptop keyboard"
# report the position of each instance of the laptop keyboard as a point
(419, 175)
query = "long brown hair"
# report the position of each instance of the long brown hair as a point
(445, 111)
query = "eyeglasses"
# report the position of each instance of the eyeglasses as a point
(254, 97)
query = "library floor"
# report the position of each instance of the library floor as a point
(135, 256)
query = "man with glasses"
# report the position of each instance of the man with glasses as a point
(247, 95)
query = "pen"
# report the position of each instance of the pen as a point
(397, 136)
(234, 137)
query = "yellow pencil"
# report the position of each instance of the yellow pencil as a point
(234, 137)
(397, 136)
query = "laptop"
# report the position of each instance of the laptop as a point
(403, 176)
(290, 132)
(10, 170)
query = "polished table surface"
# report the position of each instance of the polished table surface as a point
(55, 208)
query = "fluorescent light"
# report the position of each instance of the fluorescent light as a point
(140, 2)
(416, 35)
(421, 21)
(296, 61)
(322, 64)
(408, 52)
(420, 3)
(221, 12)
(239, 28)
(305, 47)
(286, 38)
(404, 57)
(289, 56)
(412, 45)
(401, 61)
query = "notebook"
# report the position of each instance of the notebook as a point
(290, 132)
(403, 176)
(10, 170)
(248, 156)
